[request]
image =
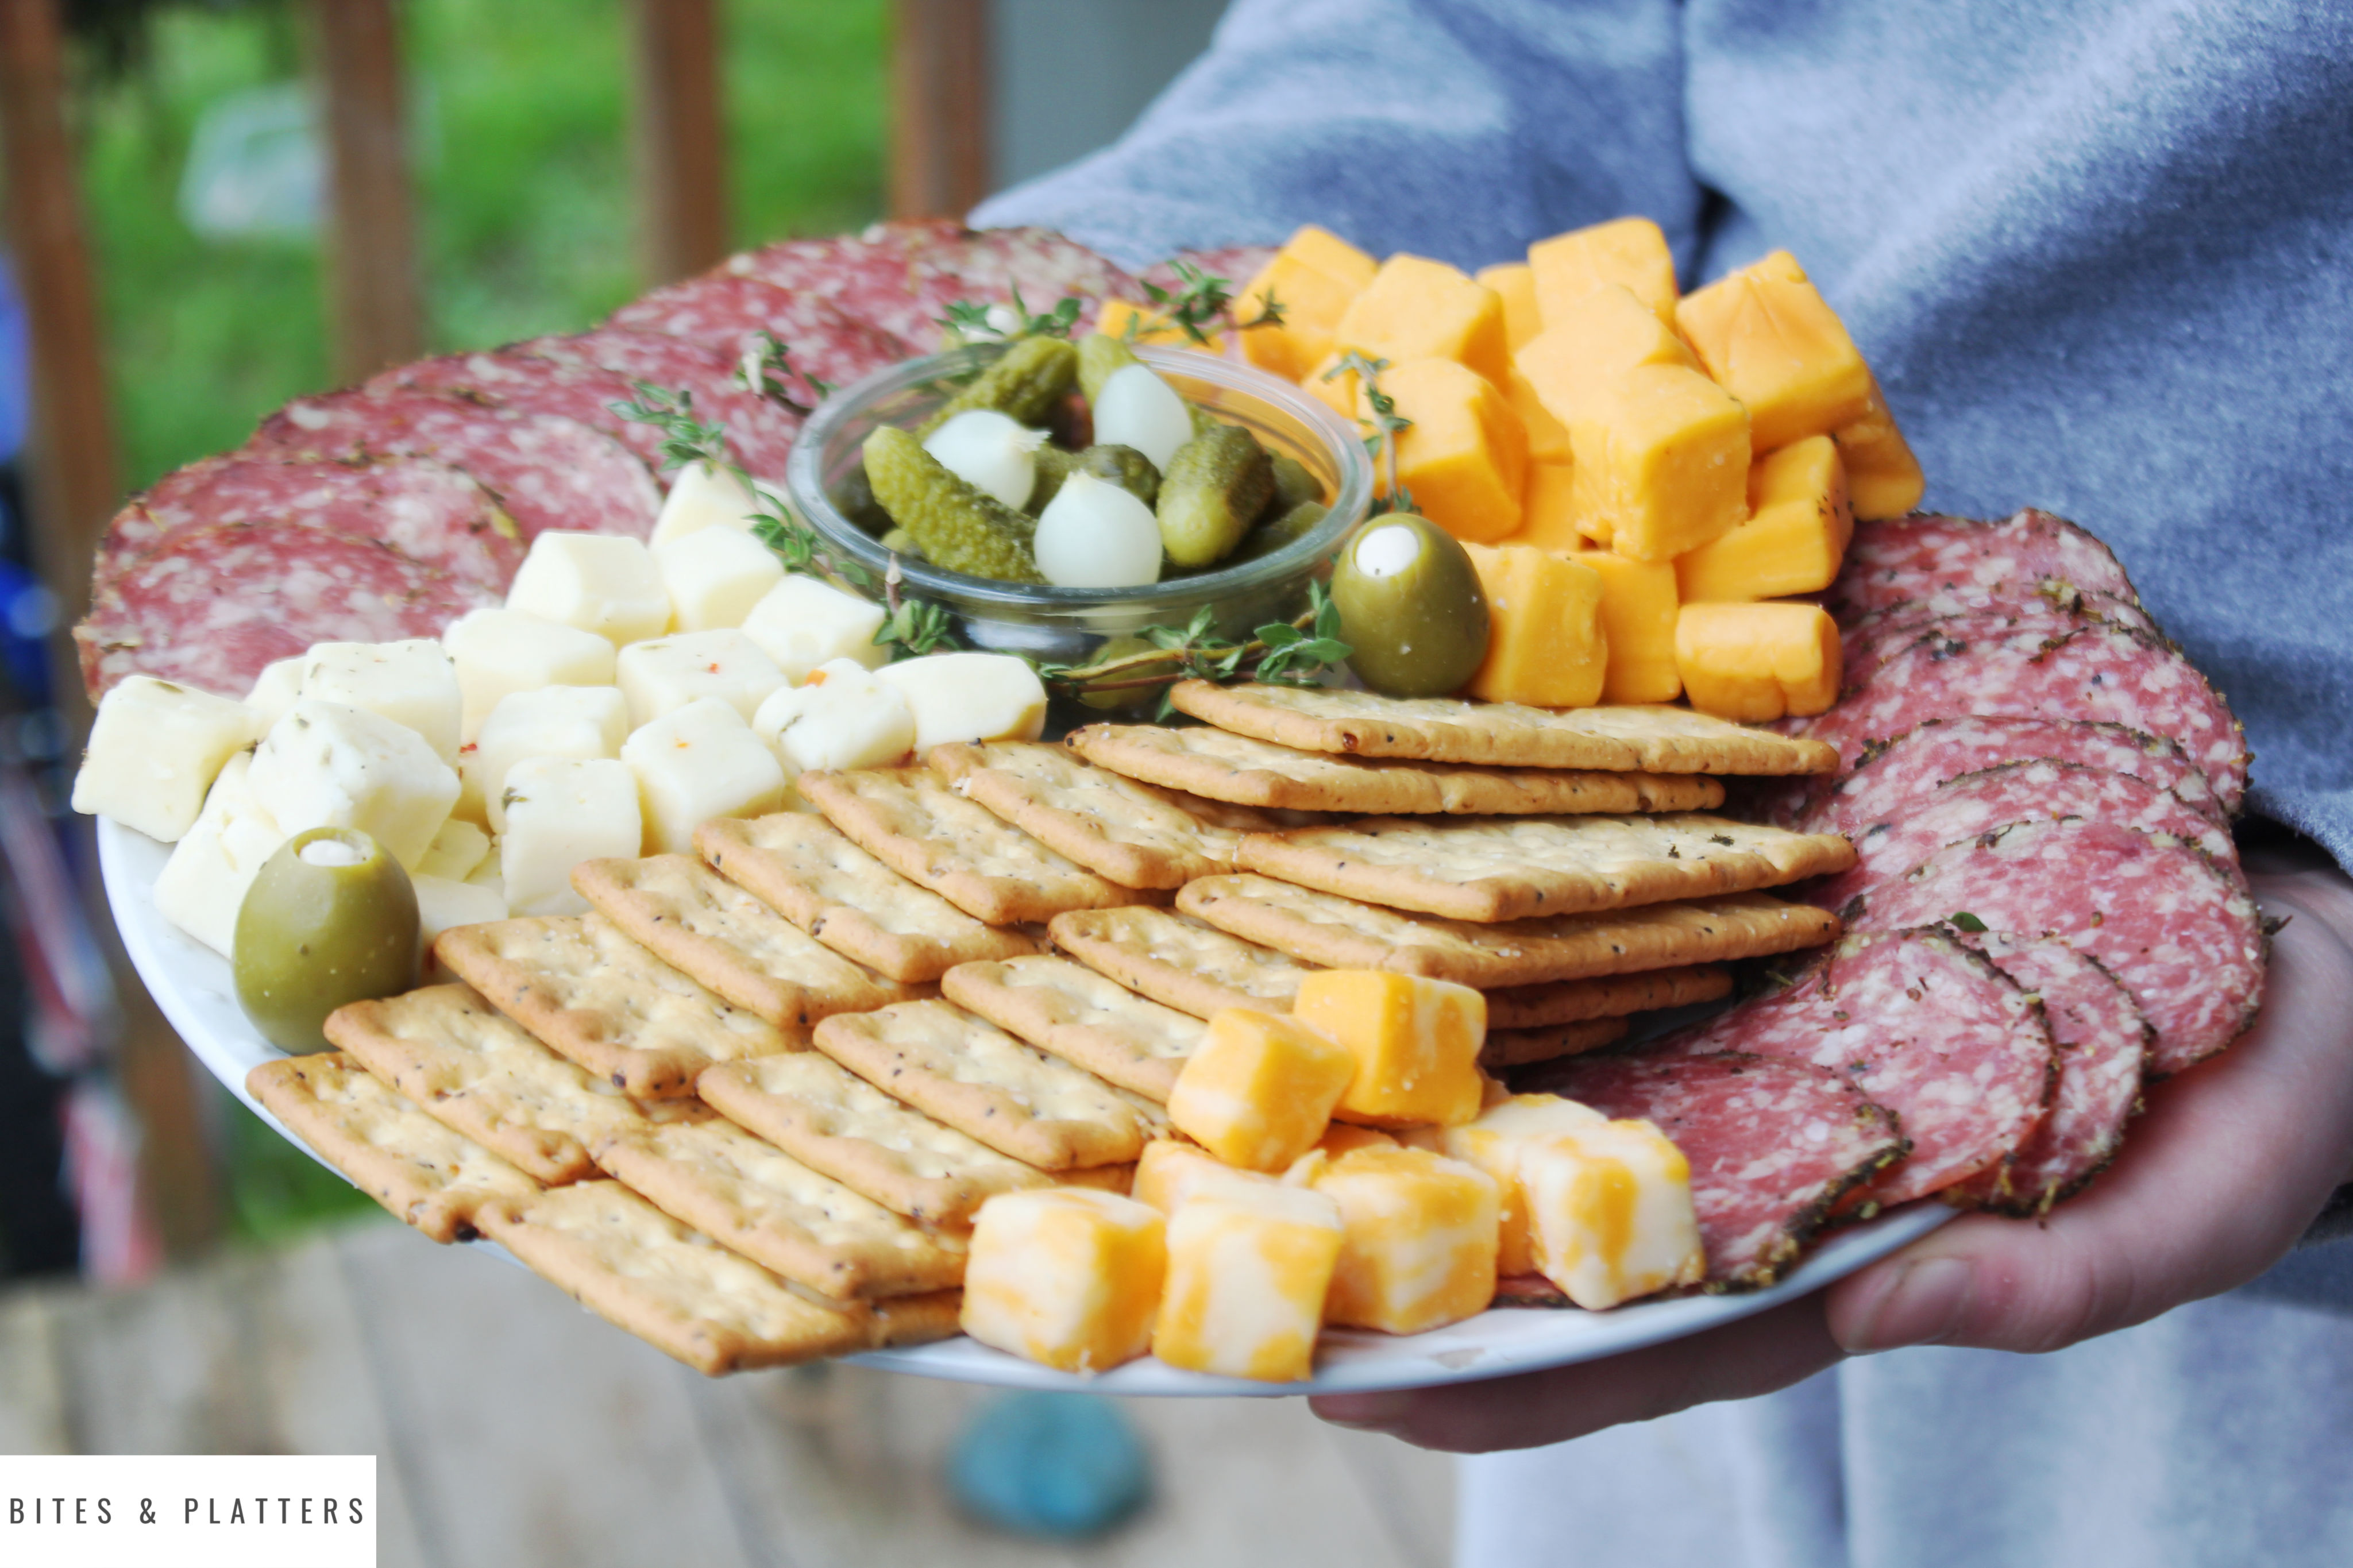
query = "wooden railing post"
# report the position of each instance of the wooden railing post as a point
(940, 151)
(677, 141)
(378, 311)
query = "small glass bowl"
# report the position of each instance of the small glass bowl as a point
(1066, 626)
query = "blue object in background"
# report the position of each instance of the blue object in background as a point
(16, 352)
(1056, 1465)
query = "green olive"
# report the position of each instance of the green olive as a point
(1410, 607)
(331, 918)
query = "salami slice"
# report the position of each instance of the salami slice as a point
(211, 606)
(2042, 791)
(1772, 1145)
(1883, 634)
(1917, 1023)
(1916, 556)
(433, 514)
(2177, 932)
(2103, 1041)
(759, 431)
(520, 377)
(544, 470)
(2100, 673)
(727, 312)
(902, 277)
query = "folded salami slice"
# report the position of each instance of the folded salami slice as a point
(760, 430)
(1996, 613)
(520, 377)
(211, 606)
(2178, 934)
(727, 312)
(1916, 556)
(1772, 1145)
(2103, 1041)
(902, 277)
(544, 470)
(2102, 673)
(1917, 1023)
(2042, 791)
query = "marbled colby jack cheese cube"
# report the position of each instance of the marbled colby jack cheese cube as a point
(1066, 1276)
(1259, 1091)
(1493, 1143)
(1247, 1271)
(1610, 1210)
(1171, 1175)
(1418, 1242)
(1416, 1043)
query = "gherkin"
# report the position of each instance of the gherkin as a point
(1024, 383)
(1125, 467)
(1281, 528)
(1100, 357)
(1215, 488)
(1295, 484)
(956, 525)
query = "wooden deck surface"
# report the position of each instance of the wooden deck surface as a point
(513, 1428)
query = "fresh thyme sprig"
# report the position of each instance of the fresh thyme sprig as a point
(1203, 304)
(1387, 426)
(914, 627)
(970, 322)
(1282, 653)
(765, 371)
(800, 550)
(685, 439)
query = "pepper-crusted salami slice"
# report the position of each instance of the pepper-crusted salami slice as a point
(760, 431)
(2103, 1041)
(2042, 791)
(1913, 557)
(211, 606)
(1772, 1145)
(2178, 933)
(1920, 1024)
(546, 472)
(520, 377)
(1883, 634)
(2100, 673)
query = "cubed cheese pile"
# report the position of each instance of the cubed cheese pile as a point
(1347, 1163)
(624, 693)
(1635, 470)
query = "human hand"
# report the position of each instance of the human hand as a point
(2218, 1178)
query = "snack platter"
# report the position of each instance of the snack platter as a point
(1652, 872)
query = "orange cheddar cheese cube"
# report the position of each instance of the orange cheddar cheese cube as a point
(1548, 436)
(1638, 601)
(1414, 1042)
(1419, 308)
(1260, 1088)
(1630, 252)
(1515, 283)
(1171, 1174)
(1609, 1212)
(1796, 532)
(1493, 1143)
(1141, 324)
(1550, 518)
(1664, 452)
(1419, 1237)
(1314, 277)
(1066, 1276)
(1465, 456)
(1340, 1137)
(1882, 476)
(1756, 663)
(1248, 1273)
(1768, 338)
(1545, 645)
(1590, 343)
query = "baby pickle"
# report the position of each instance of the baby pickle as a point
(956, 525)
(1295, 484)
(1215, 488)
(1100, 357)
(1283, 528)
(1024, 382)
(1125, 467)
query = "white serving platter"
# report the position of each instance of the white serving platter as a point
(191, 983)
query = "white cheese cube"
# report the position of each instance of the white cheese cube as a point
(156, 749)
(204, 883)
(442, 903)
(970, 697)
(327, 765)
(699, 762)
(702, 498)
(457, 849)
(843, 718)
(490, 873)
(560, 812)
(1610, 1210)
(275, 689)
(715, 577)
(665, 675)
(802, 623)
(577, 722)
(499, 651)
(412, 683)
(600, 583)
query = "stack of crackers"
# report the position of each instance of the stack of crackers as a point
(748, 1104)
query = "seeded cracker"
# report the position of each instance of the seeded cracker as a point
(1517, 1047)
(1081, 1018)
(1128, 832)
(427, 1175)
(1223, 766)
(802, 866)
(1501, 735)
(1613, 996)
(1180, 962)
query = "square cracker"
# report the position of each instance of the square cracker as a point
(1609, 996)
(752, 1196)
(801, 866)
(585, 989)
(469, 1068)
(677, 1289)
(830, 1120)
(1081, 1018)
(974, 1077)
(1220, 765)
(1131, 832)
(1181, 962)
(1508, 868)
(910, 819)
(1518, 1047)
(707, 927)
(1342, 934)
(1651, 738)
(432, 1178)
